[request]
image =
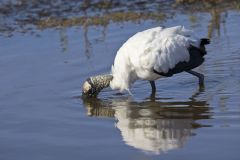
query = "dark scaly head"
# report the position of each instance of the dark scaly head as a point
(93, 85)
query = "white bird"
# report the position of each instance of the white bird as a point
(150, 55)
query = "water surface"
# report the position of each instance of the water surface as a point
(42, 114)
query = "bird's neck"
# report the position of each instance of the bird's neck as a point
(101, 81)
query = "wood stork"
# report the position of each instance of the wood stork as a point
(150, 55)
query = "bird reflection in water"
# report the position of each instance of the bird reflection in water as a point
(152, 126)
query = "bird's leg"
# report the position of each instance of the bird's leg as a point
(153, 87)
(199, 75)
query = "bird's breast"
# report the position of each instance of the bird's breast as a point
(147, 75)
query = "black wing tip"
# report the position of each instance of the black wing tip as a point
(205, 41)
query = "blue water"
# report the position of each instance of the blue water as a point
(42, 114)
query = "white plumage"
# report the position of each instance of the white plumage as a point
(157, 48)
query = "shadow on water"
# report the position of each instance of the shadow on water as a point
(154, 126)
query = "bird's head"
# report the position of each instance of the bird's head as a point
(93, 85)
(89, 89)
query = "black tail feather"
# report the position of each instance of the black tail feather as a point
(205, 41)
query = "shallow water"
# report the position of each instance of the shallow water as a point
(42, 114)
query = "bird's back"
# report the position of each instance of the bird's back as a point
(157, 48)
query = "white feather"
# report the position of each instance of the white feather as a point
(157, 48)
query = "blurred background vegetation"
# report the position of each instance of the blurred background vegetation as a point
(28, 15)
